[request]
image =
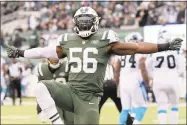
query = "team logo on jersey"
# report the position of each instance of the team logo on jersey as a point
(83, 42)
(95, 41)
(62, 74)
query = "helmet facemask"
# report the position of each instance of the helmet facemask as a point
(86, 24)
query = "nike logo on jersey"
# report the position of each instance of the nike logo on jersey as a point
(91, 103)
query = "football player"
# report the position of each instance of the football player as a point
(110, 89)
(164, 68)
(130, 80)
(88, 52)
(183, 53)
(54, 70)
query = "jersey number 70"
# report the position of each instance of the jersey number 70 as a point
(170, 61)
(82, 62)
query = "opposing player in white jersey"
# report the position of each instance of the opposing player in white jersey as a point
(164, 69)
(130, 80)
(183, 53)
(3, 82)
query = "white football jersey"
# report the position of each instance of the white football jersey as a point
(162, 65)
(130, 67)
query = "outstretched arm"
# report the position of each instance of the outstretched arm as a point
(46, 52)
(120, 48)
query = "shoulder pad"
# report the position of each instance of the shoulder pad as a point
(62, 38)
(105, 35)
(40, 69)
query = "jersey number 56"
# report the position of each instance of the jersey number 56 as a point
(83, 60)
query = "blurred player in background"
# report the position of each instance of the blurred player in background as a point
(165, 68)
(110, 89)
(130, 80)
(183, 53)
(15, 70)
(3, 81)
(54, 69)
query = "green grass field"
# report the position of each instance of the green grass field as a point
(26, 114)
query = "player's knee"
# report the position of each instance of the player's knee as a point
(126, 106)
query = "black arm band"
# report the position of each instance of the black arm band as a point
(163, 47)
(21, 53)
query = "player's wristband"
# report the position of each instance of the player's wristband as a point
(163, 47)
(21, 53)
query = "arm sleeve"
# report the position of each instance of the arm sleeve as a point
(46, 52)
(61, 39)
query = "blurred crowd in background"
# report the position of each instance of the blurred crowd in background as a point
(55, 15)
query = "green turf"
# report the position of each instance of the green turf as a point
(26, 114)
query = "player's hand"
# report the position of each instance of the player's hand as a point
(175, 44)
(12, 52)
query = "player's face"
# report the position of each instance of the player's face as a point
(53, 61)
(84, 22)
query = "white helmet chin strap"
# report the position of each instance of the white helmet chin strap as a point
(85, 33)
